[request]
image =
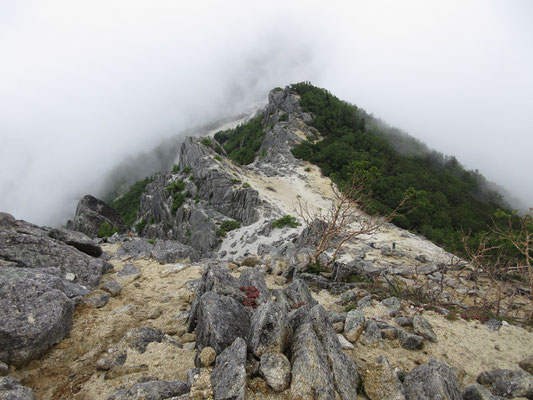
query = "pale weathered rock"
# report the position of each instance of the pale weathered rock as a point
(207, 356)
(79, 240)
(345, 344)
(140, 338)
(98, 299)
(423, 328)
(275, 368)
(113, 358)
(433, 380)
(12, 389)
(354, 325)
(229, 375)
(112, 287)
(154, 390)
(508, 383)
(380, 382)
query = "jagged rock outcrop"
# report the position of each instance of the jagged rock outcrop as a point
(508, 383)
(154, 390)
(433, 380)
(41, 280)
(91, 213)
(229, 375)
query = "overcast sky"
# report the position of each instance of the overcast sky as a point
(85, 83)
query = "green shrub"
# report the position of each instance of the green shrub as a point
(316, 269)
(176, 169)
(283, 117)
(243, 142)
(179, 199)
(151, 241)
(250, 262)
(287, 220)
(206, 142)
(176, 186)
(246, 184)
(129, 204)
(227, 226)
(106, 230)
(277, 89)
(235, 181)
(218, 158)
(140, 226)
(187, 170)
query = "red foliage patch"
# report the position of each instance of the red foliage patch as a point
(252, 293)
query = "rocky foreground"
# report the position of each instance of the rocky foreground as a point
(188, 309)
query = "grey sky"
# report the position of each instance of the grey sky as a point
(83, 84)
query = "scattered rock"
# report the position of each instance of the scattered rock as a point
(372, 334)
(433, 380)
(114, 358)
(426, 269)
(229, 375)
(478, 392)
(404, 321)
(140, 338)
(410, 341)
(527, 364)
(392, 303)
(345, 344)
(154, 390)
(112, 287)
(423, 328)
(98, 299)
(508, 383)
(207, 356)
(354, 325)
(12, 389)
(380, 382)
(494, 324)
(123, 370)
(171, 251)
(275, 368)
(129, 270)
(296, 295)
(365, 302)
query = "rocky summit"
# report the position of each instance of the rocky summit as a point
(209, 291)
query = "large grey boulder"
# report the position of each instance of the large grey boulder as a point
(508, 383)
(29, 246)
(433, 380)
(220, 320)
(154, 390)
(229, 375)
(91, 213)
(214, 279)
(311, 376)
(12, 389)
(270, 330)
(344, 369)
(354, 325)
(253, 277)
(135, 248)
(35, 315)
(78, 240)
(296, 295)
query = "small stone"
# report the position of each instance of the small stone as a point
(423, 328)
(372, 334)
(276, 369)
(389, 333)
(494, 324)
(114, 358)
(189, 346)
(207, 356)
(98, 300)
(188, 337)
(380, 382)
(354, 325)
(112, 287)
(365, 302)
(527, 364)
(410, 341)
(12, 389)
(404, 321)
(478, 392)
(258, 385)
(338, 326)
(345, 344)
